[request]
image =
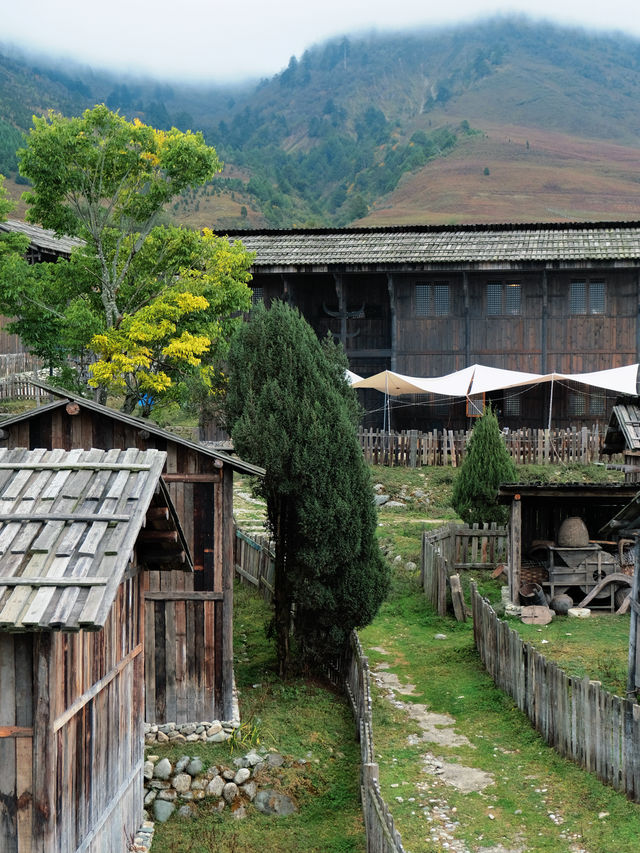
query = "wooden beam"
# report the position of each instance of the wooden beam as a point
(49, 581)
(214, 477)
(70, 517)
(16, 731)
(148, 534)
(73, 466)
(182, 595)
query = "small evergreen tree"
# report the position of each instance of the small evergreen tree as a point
(291, 410)
(487, 464)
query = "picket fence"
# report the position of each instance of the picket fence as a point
(254, 562)
(594, 728)
(456, 547)
(415, 449)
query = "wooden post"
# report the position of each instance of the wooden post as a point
(515, 548)
(413, 448)
(44, 767)
(632, 680)
(227, 582)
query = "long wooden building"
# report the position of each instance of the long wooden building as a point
(426, 301)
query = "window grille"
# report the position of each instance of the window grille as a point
(494, 297)
(577, 404)
(512, 407)
(503, 297)
(257, 295)
(512, 297)
(597, 405)
(587, 297)
(432, 300)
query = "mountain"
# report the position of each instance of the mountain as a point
(503, 121)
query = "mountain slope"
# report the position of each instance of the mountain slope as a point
(502, 121)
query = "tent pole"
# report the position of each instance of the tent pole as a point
(550, 405)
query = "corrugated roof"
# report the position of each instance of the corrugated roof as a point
(443, 244)
(68, 524)
(42, 238)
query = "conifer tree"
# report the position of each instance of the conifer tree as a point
(487, 464)
(291, 410)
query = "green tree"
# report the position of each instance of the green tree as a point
(106, 180)
(290, 409)
(487, 463)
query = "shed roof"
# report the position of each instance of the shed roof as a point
(68, 525)
(623, 430)
(42, 238)
(63, 397)
(603, 242)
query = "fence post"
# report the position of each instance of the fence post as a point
(413, 448)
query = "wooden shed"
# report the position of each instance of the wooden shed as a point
(537, 512)
(188, 616)
(623, 436)
(76, 530)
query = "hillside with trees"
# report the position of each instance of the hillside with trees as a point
(503, 121)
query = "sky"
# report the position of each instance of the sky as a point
(211, 41)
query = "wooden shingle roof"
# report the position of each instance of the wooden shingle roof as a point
(623, 431)
(42, 239)
(318, 249)
(68, 524)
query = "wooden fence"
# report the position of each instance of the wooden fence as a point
(255, 565)
(255, 562)
(19, 387)
(382, 836)
(414, 449)
(457, 547)
(594, 728)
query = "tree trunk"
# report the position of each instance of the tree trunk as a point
(282, 604)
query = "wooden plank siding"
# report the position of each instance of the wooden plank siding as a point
(72, 745)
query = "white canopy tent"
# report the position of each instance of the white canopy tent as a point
(479, 379)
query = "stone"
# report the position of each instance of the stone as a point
(161, 737)
(163, 769)
(181, 763)
(275, 760)
(380, 500)
(579, 612)
(219, 737)
(215, 786)
(228, 775)
(250, 789)
(150, 797)
(230, 792)
(162, 810)
(188, 729)
(272, 802)
(192, 738)
(239, 813)
(148, 770)
(185, 811)
(252, 758)
(181, 782)
(214, 728)
(198, 784)
(410, 566)
(242, 776)
(169, 795)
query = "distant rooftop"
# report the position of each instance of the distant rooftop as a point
(605, 242)
(42, 239)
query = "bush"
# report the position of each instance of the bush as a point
(486, 465)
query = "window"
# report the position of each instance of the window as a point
(511, 408)
(256, 295)
(597, 405)
(586, 297)
(577, 404)
(432, 300)
(503, 297)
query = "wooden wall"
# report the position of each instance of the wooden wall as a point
(72, 765)
(195, 627)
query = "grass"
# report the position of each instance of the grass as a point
(300, 719)
(539, 801)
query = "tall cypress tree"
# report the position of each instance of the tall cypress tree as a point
(487, 464)
(290, 410)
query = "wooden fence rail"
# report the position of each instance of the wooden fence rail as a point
(447, 447)
(594, 728)
(456, 547)
(254, 561)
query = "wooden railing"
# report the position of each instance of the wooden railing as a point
(255, 562)
(453, 548)
(382, 836)
(594, 728)
(414, 449)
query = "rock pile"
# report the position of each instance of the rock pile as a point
(169, 786)
(214, 732)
